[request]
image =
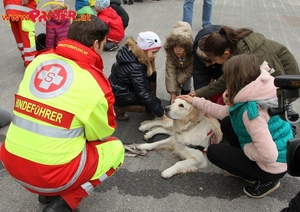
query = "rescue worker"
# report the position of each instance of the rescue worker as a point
(22, 26)
(59, 144)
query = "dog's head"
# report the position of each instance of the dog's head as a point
(182, 110)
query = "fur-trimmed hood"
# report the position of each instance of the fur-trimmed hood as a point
(139, 55)
(181, 33)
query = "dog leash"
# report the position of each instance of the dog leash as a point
(198, 147)
(132, 151)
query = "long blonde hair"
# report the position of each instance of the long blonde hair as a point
(151, 68)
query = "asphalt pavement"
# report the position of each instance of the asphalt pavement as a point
(137, 186)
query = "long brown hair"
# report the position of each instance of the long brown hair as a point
(239, 71)
(227, 37)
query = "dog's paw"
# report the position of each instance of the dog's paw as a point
(143, 128)
(168, 173)
(145, 146)
(147, 136)
(146, 122)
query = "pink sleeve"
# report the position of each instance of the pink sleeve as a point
(262, 148)
(210, 108)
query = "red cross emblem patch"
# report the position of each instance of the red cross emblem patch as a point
(51, 79)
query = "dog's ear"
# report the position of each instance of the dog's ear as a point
(192, 116)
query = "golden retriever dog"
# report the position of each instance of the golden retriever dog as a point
(191, 132)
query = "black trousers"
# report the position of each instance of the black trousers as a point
(232, 158)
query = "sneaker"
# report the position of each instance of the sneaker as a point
(108, 47)
(259, 190)
(232, 175)
(294, 129)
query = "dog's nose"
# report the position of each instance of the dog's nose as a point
(167, 108)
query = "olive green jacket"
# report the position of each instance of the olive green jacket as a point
(275, 54)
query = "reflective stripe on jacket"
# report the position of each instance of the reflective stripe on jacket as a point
(16, 6)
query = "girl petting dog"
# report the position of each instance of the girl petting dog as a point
(133, 77)
(179, 59)
(257, 141)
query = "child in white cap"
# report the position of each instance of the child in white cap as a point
(133, 76)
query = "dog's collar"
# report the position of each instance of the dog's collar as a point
(192, 126)
(199, 147)
(212, 140)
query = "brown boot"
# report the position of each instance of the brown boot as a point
(120, 114)
(152, 88)
(135, 108)
(120, 111)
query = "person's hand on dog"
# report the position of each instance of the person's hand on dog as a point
(164, 118)
(187, 98)
(193, 94)
(172, 97)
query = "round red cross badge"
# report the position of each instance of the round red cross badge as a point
(51, 78)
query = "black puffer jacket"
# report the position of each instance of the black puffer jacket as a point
(129, 78)
(203, 74)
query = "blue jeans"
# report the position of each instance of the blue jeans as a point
(188, 8)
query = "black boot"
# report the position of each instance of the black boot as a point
(152, 88)
(58, 204)
(184, 92)
(110, 46)
(130, 2)
(125, 1)
(45, 199)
